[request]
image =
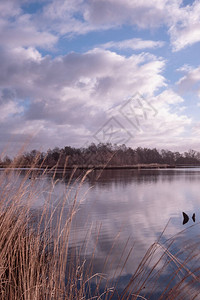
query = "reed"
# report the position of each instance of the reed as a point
(37, 262)
(34, 244)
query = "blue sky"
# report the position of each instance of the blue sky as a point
(82, 71)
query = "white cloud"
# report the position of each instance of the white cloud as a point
(182, 38)
(20, 30)
(141, 13)
(69, 96)
(169, 97)
(9, 8)
(70, 93)
(80, 17)
(190, 82)
(184, 29)
(167, 126)
(59, 18)
(185, 68)
(8, 110)
(24, 36)
(134, 44)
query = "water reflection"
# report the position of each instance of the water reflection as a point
(120, 205)
(125, 177)
(138, 204)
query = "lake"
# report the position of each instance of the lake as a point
(119, 209)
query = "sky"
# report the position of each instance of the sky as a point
(75, 72)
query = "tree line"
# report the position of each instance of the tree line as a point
(102, 154)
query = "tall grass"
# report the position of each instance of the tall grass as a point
(34, 244)
(37, 262)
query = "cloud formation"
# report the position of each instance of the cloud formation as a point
(185, 26)
(134, 44)
(66, 98)
(80, 17)
(70, 96)
(190, 82)
(58, 18)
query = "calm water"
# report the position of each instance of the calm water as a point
(133, 206)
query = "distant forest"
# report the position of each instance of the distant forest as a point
(102, 154)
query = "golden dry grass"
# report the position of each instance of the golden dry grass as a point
(36, 261)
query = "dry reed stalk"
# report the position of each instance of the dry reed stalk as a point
(36, 261)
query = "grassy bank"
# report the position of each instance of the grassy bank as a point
(37, 262)
(101, 167)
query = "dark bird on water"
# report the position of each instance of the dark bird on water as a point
(186, 218)
(193, 217)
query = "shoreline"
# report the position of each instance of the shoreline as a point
(101, 167)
